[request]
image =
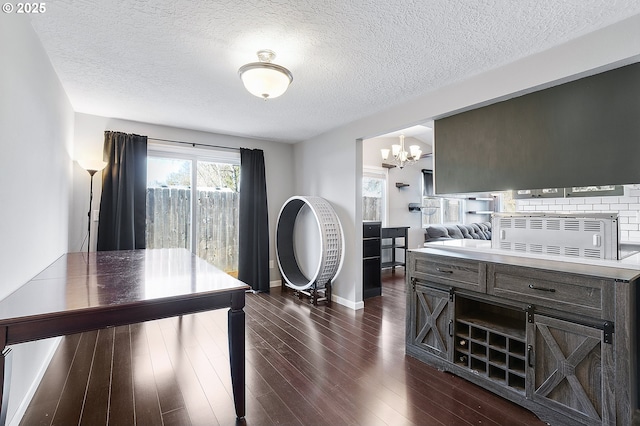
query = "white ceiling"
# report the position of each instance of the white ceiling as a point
(175, 62)
(422, 132)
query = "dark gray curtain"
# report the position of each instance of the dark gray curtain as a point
(124, 190)
(253, 256)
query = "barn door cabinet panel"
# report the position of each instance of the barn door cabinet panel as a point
(557, 337)
(430, 328)
(571, 370)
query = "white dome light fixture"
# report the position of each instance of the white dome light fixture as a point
(265, 79)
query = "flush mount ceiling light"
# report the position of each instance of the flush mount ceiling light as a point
(265, 79)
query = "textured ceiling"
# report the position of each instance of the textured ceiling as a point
(175, 62)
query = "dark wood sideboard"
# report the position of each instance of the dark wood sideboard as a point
(558, 337)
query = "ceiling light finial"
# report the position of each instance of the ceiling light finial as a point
(265, 79)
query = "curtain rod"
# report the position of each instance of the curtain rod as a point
(194, 144)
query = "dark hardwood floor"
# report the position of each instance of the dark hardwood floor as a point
(305, 366)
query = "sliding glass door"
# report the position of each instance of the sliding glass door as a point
(168, 202)
(217, 214)
(192, 202)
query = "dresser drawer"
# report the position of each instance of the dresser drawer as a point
(371, 230)
(457, 273)
(566, 292)
(393, 232)
(371, 248)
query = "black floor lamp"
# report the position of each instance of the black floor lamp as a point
(92, 167)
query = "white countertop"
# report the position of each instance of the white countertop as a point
(469, 246)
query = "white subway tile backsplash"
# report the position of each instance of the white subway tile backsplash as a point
(627, 213)
(610, 200)
(627, 207)
(615, 207)
(628, 200)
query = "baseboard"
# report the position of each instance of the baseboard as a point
(348, 303)
(22, 408)
(276, 283)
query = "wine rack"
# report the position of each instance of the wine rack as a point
(490, 341)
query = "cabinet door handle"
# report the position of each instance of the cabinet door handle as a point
(531, 359)
(550, 290)
(444, 271)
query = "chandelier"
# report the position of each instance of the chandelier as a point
(265, 79)
(401, 157)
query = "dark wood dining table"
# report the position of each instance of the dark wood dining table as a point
(82, 292)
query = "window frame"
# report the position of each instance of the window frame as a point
(383, 174)
(193, 154)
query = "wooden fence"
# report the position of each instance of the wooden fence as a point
(371, 208)
(216, 221)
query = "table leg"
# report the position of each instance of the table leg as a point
(5, 375)
(237, 352)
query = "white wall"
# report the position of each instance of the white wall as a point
(330, 164)
(398, 199)
(36, 128)
(89, 139)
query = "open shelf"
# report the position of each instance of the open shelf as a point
(481, 206)
(394, 239)
(491, 341)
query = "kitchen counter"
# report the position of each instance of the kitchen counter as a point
(626, 269)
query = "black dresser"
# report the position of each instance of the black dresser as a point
(371, 280)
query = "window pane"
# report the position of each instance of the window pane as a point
(217, 214)
(451, 210)
(430, 211)
(168, 203)
(372, 198)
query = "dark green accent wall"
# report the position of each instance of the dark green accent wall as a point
(581, 133)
